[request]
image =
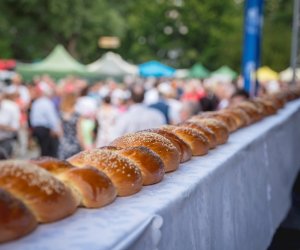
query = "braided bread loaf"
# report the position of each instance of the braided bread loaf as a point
(44, 195)
(123, 172)
(185, 152)
(196, 141)
(157, 143)
(90, 186)
(150, 164)
(16, 219)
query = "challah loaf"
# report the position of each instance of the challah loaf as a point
(159, 144)
(16, 219)
(185, 152)
(269, 107)
(150, 164)
(218, 127)
(209, 134)
(226, 119)
(44, 195)
(91, 187)
(252, 111)
(240, 117)
(197, 142)
(125, 175)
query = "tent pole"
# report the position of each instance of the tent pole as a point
(295, 34)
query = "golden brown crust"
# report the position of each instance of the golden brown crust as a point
(279, 99)
(46, 197)
(184, 149)
(16, 219)
(150, 164)
(269, 107)
(52, 165)
(197, 142)
(125, 175)
(260, 107)
(210, 136)
(90, 186)
(252, 111)
(241, 117)
(225, 118)
(218, 127)
(95, 188)
(157, 143)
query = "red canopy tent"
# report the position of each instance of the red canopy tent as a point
(6, 64)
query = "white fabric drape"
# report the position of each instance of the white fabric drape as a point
(233, 198)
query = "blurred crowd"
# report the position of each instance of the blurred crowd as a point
(65, 117)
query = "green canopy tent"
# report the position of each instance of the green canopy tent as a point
(199, 71)
(224, 73)
(59, 63)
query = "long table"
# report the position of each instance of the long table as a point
(233, 198)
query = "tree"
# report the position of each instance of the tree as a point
(181, 33)
(277, 34)
(31, 28)
(177, 32)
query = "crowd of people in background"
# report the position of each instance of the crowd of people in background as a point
(71, 115)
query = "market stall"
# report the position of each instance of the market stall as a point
(113, 65)
(155, 69)
(59, 63)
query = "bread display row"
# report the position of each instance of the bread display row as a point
(46, 189)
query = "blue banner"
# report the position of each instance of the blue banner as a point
(253, 21)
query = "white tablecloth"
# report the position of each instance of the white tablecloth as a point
(233, 198)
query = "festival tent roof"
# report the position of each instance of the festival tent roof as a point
(6, 64)
(112, 64)
(155, 69)
(287, 74)
(58, 63)
(182, 73)
(265, 74)
(199, 71)
(224, 73)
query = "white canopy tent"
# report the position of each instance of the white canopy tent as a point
(112, 64)
(181, 73)
(287, 74)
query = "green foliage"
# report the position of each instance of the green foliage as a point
(277, 34)
(177, 32)
(34, 27)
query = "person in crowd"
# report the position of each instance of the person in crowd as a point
(86, 106)
(9, 124)
(152, 94)
(71, 139)
(238, 96)
(174, 106)
(3, 154)
(193, 91)
(161, 104)
(18, 86)
(224, 91)
(138, 116)
(209, 102)
(119, 98)
(45, 122)
(23, 100)
(189, 108)
(106, 117)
